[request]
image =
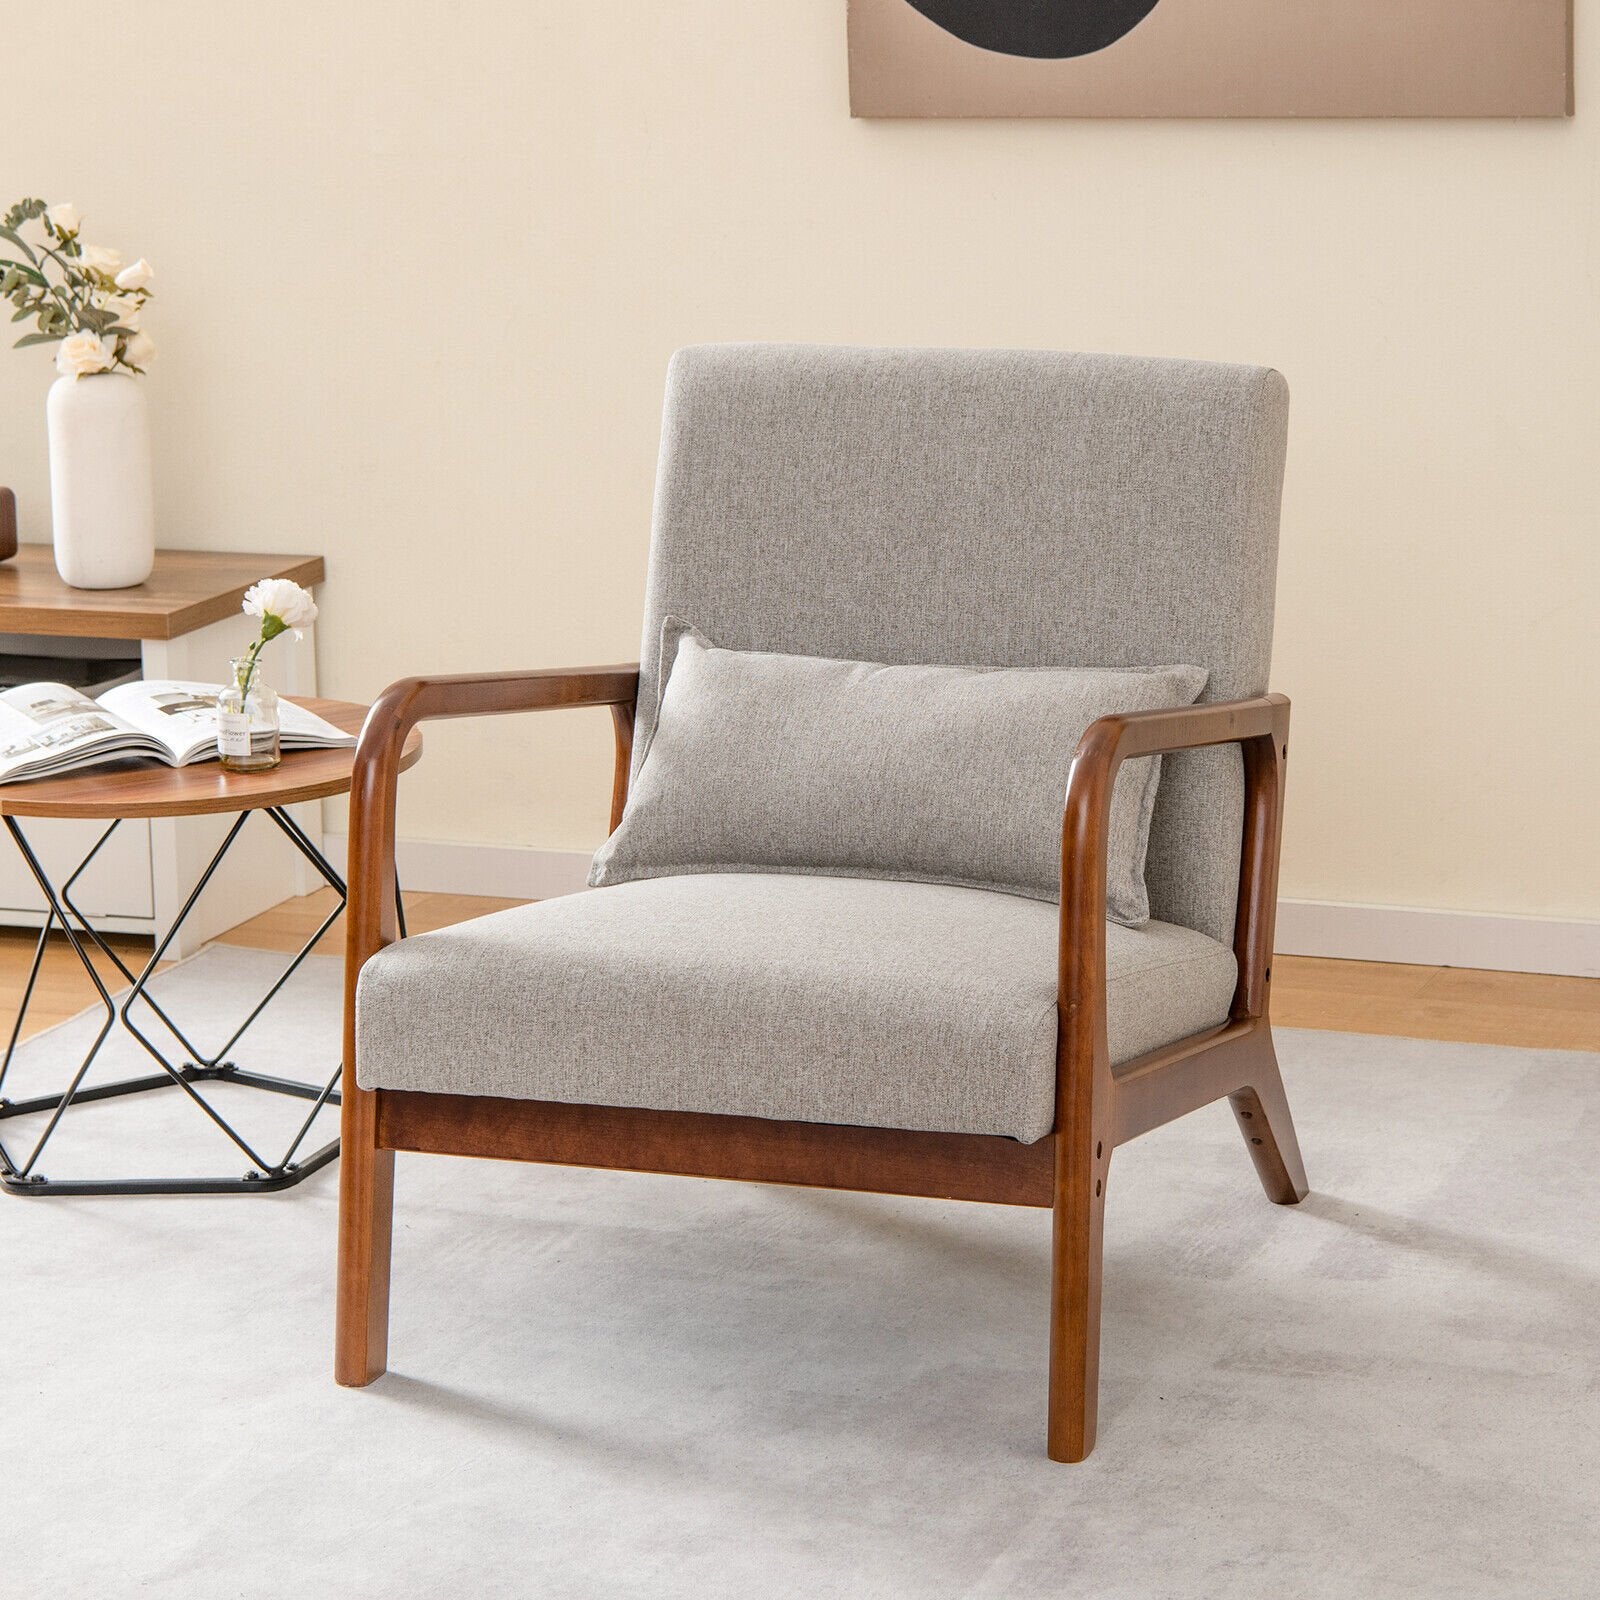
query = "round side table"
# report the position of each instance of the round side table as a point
(142, 788)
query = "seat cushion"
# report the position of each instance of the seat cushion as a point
(812, 999)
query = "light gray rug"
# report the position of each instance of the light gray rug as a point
(612, 1386)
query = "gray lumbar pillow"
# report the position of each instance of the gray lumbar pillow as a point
(779, 763)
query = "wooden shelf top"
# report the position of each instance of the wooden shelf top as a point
(187, 590)
(141, 787)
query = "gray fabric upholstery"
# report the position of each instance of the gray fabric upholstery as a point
(985, 508)
(817, 999)
(768, 762)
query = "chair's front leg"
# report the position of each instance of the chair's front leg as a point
(366, 1221)
(1085, 1129)
(1083, 1161)
(366, 1173)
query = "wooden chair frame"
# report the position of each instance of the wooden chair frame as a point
(1098, 1108)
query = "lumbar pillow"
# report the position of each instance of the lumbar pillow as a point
(778, 763)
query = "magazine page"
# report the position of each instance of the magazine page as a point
(48, 728)
(302, 729)
(182, 715)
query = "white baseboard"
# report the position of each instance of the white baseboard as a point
(1438, 938)
(1305, 927)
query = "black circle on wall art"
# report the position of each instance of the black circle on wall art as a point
(1046, 29)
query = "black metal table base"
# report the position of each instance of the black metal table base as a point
(19, 1173)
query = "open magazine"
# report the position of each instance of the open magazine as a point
(47, 728)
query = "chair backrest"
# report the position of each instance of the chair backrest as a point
(991, 508)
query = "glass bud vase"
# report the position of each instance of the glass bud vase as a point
(247, 721)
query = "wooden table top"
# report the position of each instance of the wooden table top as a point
(187, 590)
(140, 787)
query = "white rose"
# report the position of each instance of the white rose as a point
(82, 353)
(126, 308)
(138, 276)
(64, 218)
(139, 351)
(282, 601)
(102, 258)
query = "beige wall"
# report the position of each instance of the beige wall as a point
(421, 268)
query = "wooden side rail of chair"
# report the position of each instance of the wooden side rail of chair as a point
(366, 1172)
(1096, 1108)
(376, 772)
(1260, 727)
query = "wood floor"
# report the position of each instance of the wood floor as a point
(1348, 996)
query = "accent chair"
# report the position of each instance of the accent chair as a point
(946, 508)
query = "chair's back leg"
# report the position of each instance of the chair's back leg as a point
(366, 1220)
(1262, 1111)
(1261, 1107)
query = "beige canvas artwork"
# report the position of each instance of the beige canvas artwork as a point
(1211, 58)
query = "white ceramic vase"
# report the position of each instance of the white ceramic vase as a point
(102, 509)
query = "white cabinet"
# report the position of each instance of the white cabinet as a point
(116, 890)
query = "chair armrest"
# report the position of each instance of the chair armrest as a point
(1260, 726)
(375, 776)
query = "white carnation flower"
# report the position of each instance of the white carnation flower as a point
(138, 276)
(280, 601)
(82, 353)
